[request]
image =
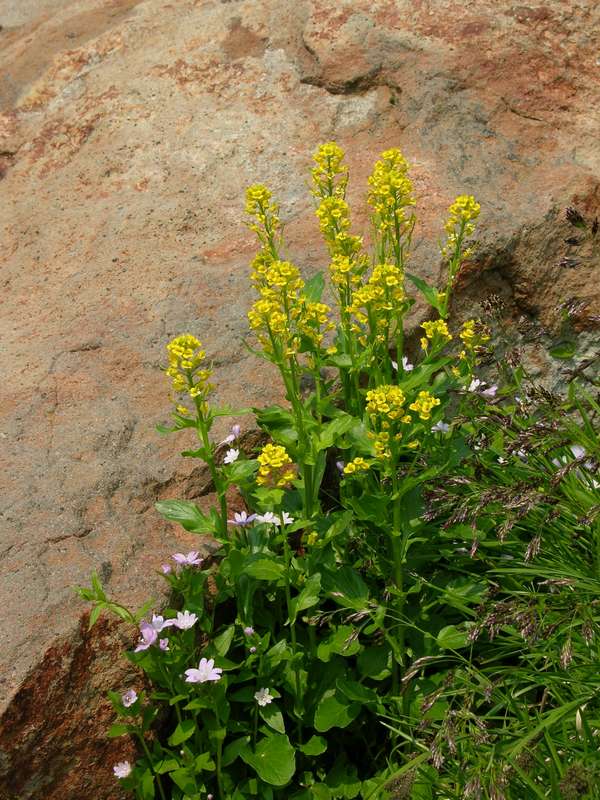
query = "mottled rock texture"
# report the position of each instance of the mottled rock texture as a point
(128, 130)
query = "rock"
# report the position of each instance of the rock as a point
(128, 131)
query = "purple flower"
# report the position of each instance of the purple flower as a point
(189, 560)
(249, 630)
(206, 672)
(235, 432)
(253, 649)
(166, 568)
(490, 391)
(231, 456)
(184, 620)
(286, 519)
(129, 698)
(148, 638)
(340, 466)
(158, 623)
(242, 519)
(164, 644)
(475, 384)
(122, 769)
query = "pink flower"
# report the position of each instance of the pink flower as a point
(184, 620)
(164, 644)
(189, 560)
(122, 769)
(129, 698)
(148, 637)
(231, 456)
(235, 432)
(166, 568)
(248, 631)
(206, 672)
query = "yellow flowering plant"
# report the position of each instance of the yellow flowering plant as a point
(300, 660)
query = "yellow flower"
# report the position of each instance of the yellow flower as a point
(185, 359)
(424, 404)
(330, 175)
(312, 538)
(435, 331)
(461, 222)
(391, 191)
(357, 465)
(474, 334)
(386, 402)
(275, 466)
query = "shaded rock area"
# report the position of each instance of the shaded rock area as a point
(128, 131)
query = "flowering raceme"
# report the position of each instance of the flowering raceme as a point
(185, 359)
(436, 331)
(424, 404)
(275, 466)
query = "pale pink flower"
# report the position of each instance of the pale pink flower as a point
(263, 697)
(166, 568)
(206, 672)
(164, 644)
(231, 456)
(268, 517)
(184, 620)
(129, 697)
(122, 769)
(286, 519)
(248, 630)
(189, 560)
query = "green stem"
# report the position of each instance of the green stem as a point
(288, 599)
(214, 475)
(161, 791)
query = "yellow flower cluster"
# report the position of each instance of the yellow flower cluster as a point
(383, 292)
(328, 159)
(437, 332)
(312, 317)
(185, 357)
(387, 403)
(464, 209)
(461, 223)
(277, 277)
(474, 335)
(356, 465)
(424, 404)
(275, 467)
(391, 190)
(258, 203)
(333, 216)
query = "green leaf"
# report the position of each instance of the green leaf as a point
(166, 765)
(204, 762)
(356, 691)
(564, 350)
(308, 597)
(334, 711)
(264, 569)
(117, 730)
(182, 732)
(452, 638)
(187, 514)
(346, 588)
(147, 785)
(343, 780)
(240, 471)
(375, 662)
(315, 746)
(343, 641)
(313, 288)
(222, 642)
(233, 750)
(273, 717)
(430, 293)
(273, 760)
(185, 780)
(334, 429)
